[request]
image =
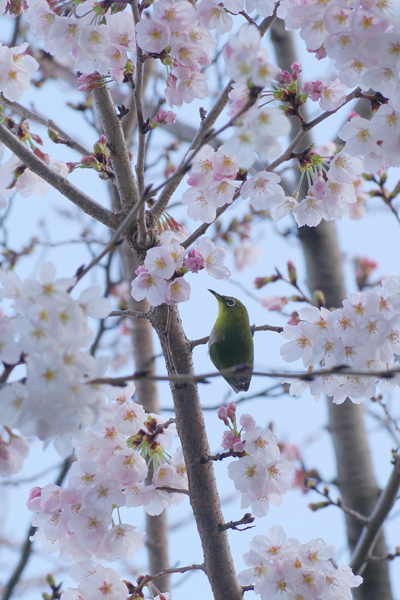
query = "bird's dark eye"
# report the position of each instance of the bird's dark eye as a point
(230, 302)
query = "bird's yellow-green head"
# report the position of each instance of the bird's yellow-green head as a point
(231, 341)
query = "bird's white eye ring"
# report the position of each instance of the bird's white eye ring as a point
(230, 302)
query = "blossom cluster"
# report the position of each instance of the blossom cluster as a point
(181, 31)
(212, 181)
(330, 198)
(53, 400)
(16, 68)
(113, 457)
(281, 567)
(96, 47)
(258, 128)
(362, 37)
(260, 474)
(160, 279)
(364, 336)
(326, 199)
(377, 140)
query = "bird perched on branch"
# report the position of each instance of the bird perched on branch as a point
(231, 342)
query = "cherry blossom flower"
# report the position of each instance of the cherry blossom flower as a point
(214, 257)
(150, 287)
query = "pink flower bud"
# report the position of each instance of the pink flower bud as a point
(222, 413)
(308, 88)
(231, 409)
(238, 446)
(90, 82)
(296, 68)
(141, 269)
(294, 318)
(287, 78)
(34, 499)
(227, 439)
(353, 114)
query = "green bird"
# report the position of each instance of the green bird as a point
(231, 341)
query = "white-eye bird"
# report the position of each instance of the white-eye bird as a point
(231, 342)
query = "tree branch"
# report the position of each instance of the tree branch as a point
(205, 126)
(126, 184)
(141, 151)
(372, 529)
(26, 113)
(67, 189)
(144, 580)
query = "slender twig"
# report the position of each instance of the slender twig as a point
(203, 228)
(35, 477)
(162, 426)
(26, 113)
(387, 557)
(245, 520)
(218, 457)
(339, 503)
(172, 490)
(129, 313)
(371, 531)
(246, 369)
(205, 126)
(67, 189)
(8, 369)
(204, 340)
(144, 580)
(199, 342)
(263, 394)
(113, 241)
(393, 421)
(16, 32)
(268, 328)
(354, 94)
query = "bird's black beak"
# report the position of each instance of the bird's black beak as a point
(218, 297)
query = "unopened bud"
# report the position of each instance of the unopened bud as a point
(50, 580)
(129, 67)
(301, 98)
(319, 298)
(231, 411)
(292, 272)
(91, 162)
(53, 135)
(259, 282)
(37, 138)
(222, 414)
(317, 505)
(281, 95)
(288, 111)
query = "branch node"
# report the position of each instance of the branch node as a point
(245, 520)
(123, 110)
